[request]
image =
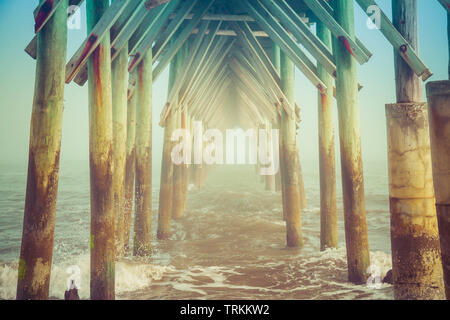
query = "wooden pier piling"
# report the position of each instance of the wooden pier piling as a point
(143, 189)
(416, 261)
(291, 193)
(439, 114)
(101, 164)
(119, 70)
(327, 162)
(356, 240)
(43, 164)
(130, 169)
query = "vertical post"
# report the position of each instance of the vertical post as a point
(143, 189)
(130, 168)
(43, 164)
(185, 124)
(301, 184)
(166, 184)
(276, 63)
(357, 244)
(438, 94)
(327, 162)
(177, 205)
(270, 179)
(291, 194)
(119, 70)
(101, 165)
(416, 263)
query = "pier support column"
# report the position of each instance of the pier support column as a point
(185, 124)
(416, 261)
(270, 179)
(327, 162)
(143, 189)
(291, 194)
(119, 72)
(438, 94)
(130, 169)
(356, 240)
(101, 164)
(177, 205)
(167, 166)
(43, 164)
(439, 114)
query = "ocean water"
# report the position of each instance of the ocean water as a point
(229, 245)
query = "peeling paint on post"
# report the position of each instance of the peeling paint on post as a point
(101, 161)
(143, 188)
(438, 93)
(327, 162)
(119, 70)
(356, 240)
(291, 193)
(43, 164)
(130, 169)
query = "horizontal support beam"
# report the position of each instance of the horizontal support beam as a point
(232, 17)
(399, 43)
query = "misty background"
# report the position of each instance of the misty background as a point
(17, 72)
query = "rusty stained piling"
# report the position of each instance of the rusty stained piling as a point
(416, 262)
(43, 164)
(167, 167)
(327, 162)
(177, 202)
(102, 280)
(358, 259)
(270, 178)
(290, 179)
(143, 188)
(130, 169)
(438, 93)
(119, 70)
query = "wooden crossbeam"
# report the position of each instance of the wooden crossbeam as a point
(44, 12)
(94, 38)
(445, 4)
(302, 33)
(32, 46)
(150, 4)
(398, 42)
(233, 17)
(232, 33)
(200, 57)
(174, 92)
(172, 28)
(146, 42)
(350, 44)
(285, 42)
(181, 39)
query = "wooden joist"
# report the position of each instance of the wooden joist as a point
(181, 39)
(350, 44)
(32, 46)
(445, 4)
(399, 43)
(285, 41)
(94, 38)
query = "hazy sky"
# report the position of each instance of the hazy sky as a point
(17, 72)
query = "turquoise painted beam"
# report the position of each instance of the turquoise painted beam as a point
(284, 41)
(445, 4)
(350, 43)
(398, 42)
(146, 42)
(181, 39)
(319, 51)
(172, 27)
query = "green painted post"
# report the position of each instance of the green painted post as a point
(327, 162)
(166, 184)
(276, 63)
(130, 168)
(143, 188)
(119, 70)
(291, 193)
(43, 164)
(101, 164)
(357, 243)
